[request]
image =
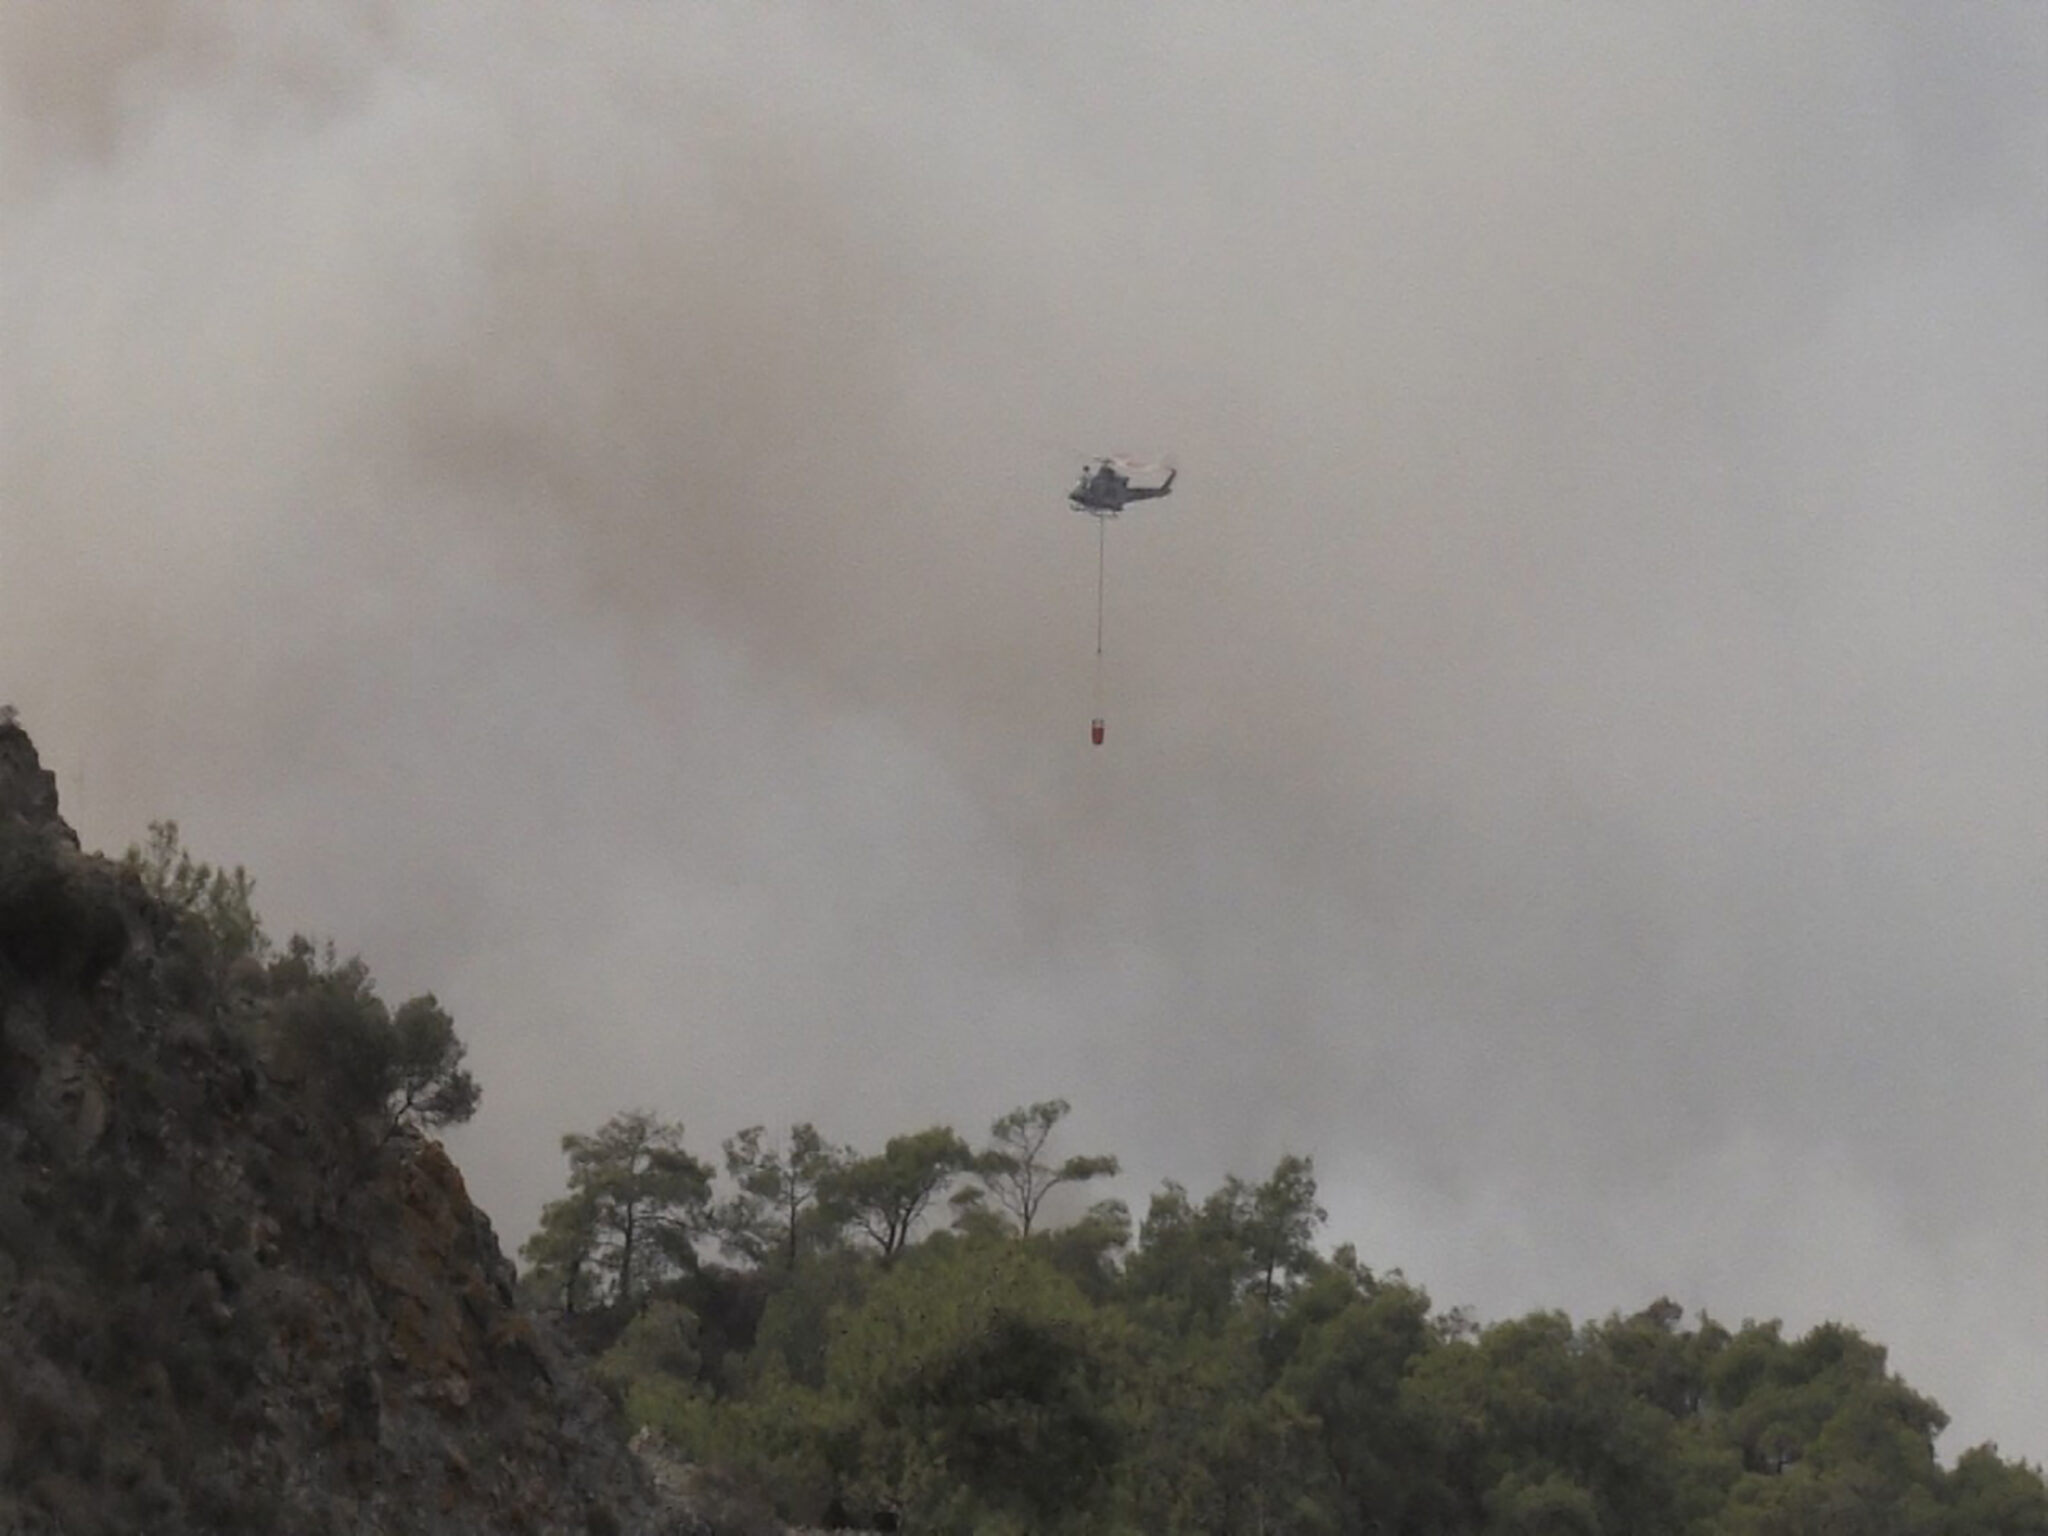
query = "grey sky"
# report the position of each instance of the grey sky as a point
(572, 496)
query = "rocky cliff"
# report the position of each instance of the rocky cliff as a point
(221, 1310)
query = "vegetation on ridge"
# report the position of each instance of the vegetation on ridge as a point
(324, 1024)
(239, 1290)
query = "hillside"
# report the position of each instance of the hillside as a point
(226, 1303)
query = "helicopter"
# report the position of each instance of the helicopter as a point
(1104, 491)
(1105, 487)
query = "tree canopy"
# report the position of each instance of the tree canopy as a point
(637, 1203)
(1013, 1169)
(1221, 1372)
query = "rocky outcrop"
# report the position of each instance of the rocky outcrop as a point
(60, 913)
(220, 1312)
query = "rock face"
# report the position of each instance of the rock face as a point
(219, 1313)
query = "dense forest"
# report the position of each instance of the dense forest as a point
(944, 1336)
(819, 1330)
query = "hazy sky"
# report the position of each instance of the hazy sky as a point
(572, 496)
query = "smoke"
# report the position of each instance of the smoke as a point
(572, 496)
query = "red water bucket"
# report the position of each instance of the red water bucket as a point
(1095, 732)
